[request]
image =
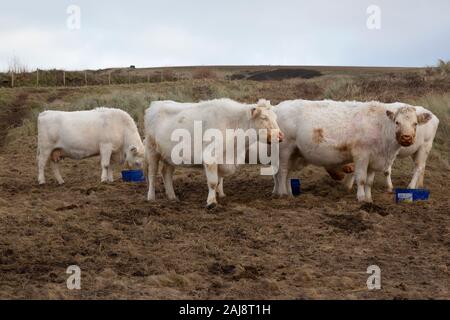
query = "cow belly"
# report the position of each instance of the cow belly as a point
(226, 169)
(325, 156)
(76, 154)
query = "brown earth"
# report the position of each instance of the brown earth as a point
(253, 246)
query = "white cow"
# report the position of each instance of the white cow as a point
(162, 118)
(331, 134)
(110, 133)
(418, 151)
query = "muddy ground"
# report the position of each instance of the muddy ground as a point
(253, 246)
(318, 245)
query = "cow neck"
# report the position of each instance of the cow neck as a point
(241, 120)
(131, 137)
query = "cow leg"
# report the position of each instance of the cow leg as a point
(282, 181)
(105, 160)
(110, 173)
(212, 177)
(283, 172)
(387, 174)
(220, 188)
(420, 184)
(152, 160)
(361, 166)
(43, 156)
(349, 180)
(275, 185)
(420, 161)
(167, 173)
(288, 181)
(56, 172)
(368, 186)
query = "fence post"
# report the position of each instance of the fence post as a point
(12, 79)
(129, 77)
(85, 78)
(148, 77)
(37, 77)
(109, 78)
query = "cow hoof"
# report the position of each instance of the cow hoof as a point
(211, 206)
(223, 195)
(361, 200)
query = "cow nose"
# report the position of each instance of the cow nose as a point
(280, 136)
(406, 140)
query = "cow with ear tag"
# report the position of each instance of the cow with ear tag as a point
(332, 134)
(110, 133)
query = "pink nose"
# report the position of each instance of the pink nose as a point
(406, 140)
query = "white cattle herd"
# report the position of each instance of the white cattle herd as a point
(351, 140)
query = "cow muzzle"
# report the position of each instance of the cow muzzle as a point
(278, 134)
(406, 140)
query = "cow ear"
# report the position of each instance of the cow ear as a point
(390, 115)
(423, 118)
(255, 112)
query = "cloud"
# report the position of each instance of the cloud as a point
(155, 33)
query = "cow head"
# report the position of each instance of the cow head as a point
(133, 157)
(406, 121)
(263, 117)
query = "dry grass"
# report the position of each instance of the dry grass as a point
(252, 246)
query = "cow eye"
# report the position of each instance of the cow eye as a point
(415, 124)
(397, 123)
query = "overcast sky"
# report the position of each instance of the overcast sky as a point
(212, 32)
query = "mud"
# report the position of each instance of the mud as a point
(252, 245)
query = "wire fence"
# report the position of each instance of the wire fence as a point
(62, 78)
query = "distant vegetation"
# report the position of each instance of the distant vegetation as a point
(19, 75)
(385, 85)
(442, 69)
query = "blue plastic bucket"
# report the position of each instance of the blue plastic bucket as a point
(411, 195)
(295, 187)
(133, 175)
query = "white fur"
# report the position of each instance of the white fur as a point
(419, 151)
(110, 133)
(163, 117)
(330, 134)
